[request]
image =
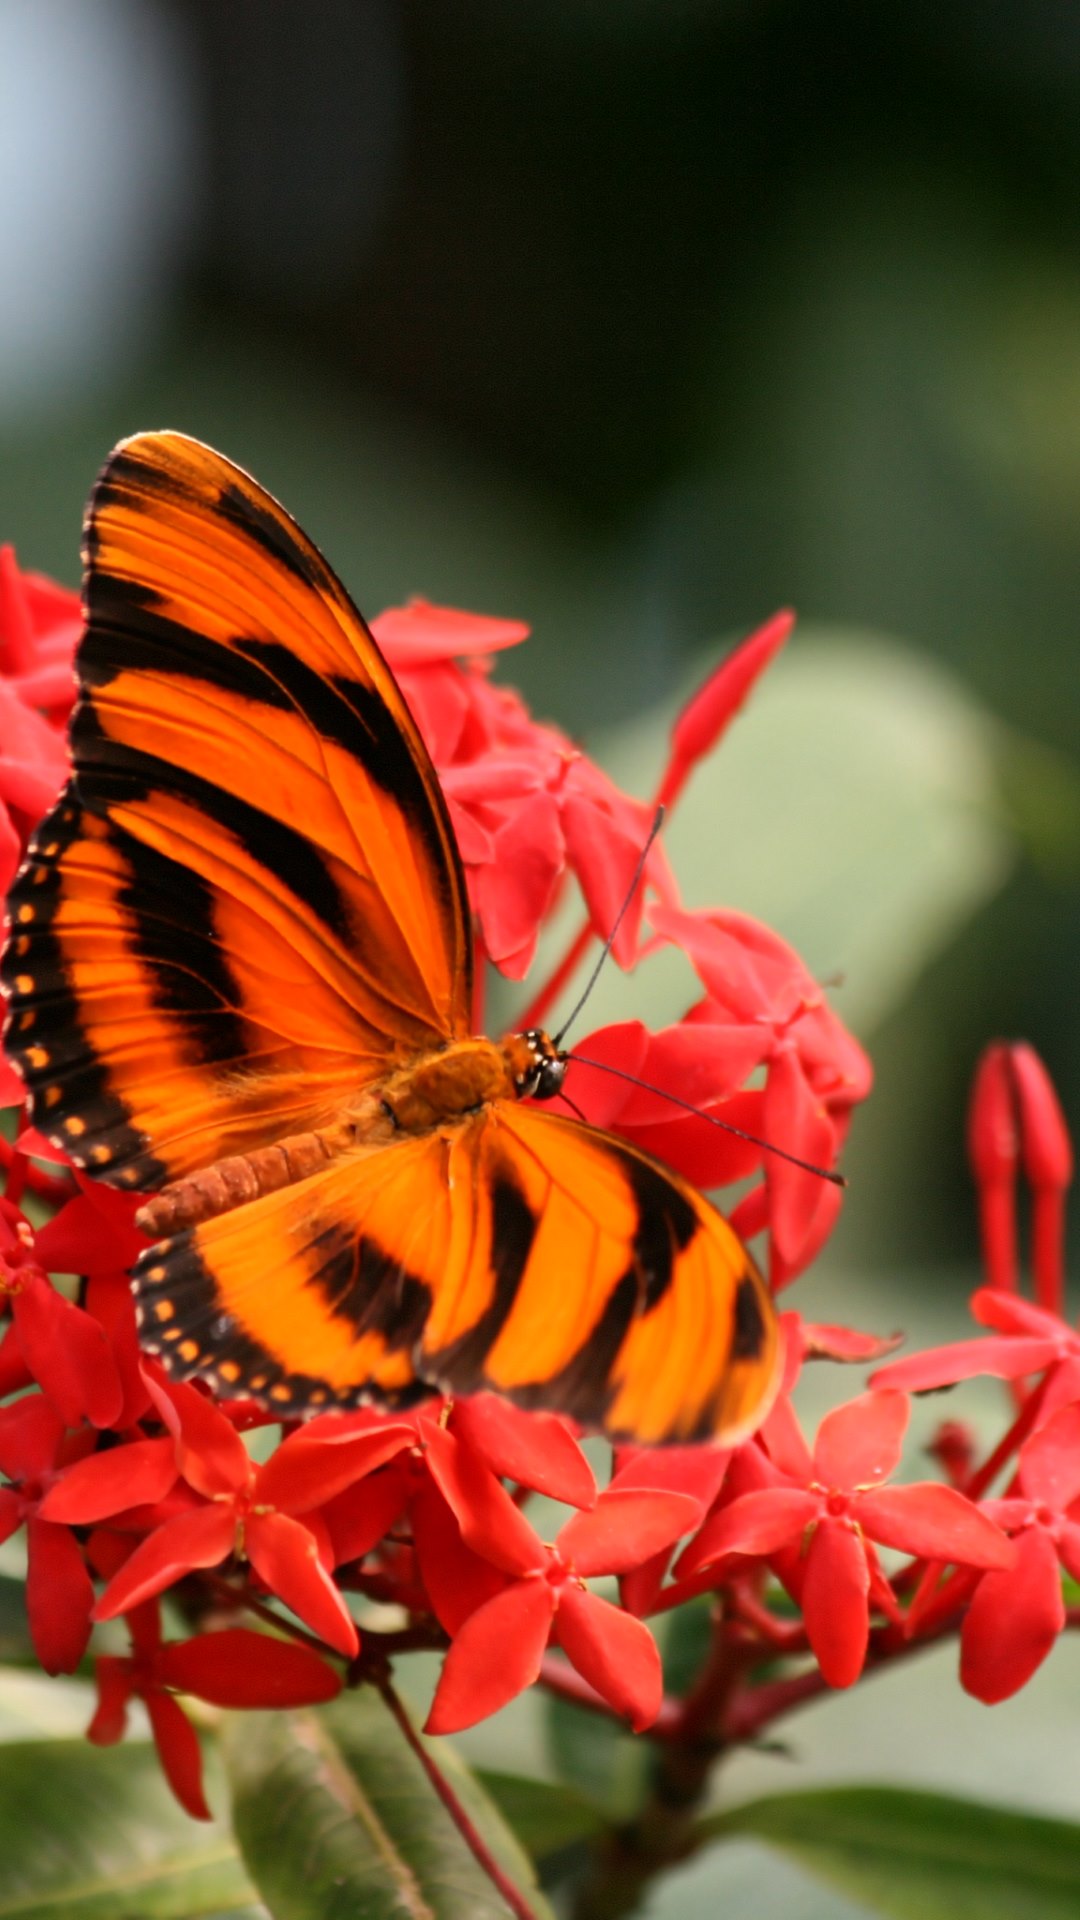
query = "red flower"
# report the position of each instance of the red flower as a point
(253, 1511)
(39, 626)
(233, 1668)
(64, 1348)
(525, 802)
(1017, 1612)
(34, 1449)
(40, 623)
(544, 1593)
(762, 1009)
(815, 1517)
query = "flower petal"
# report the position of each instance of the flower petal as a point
(935, 1523)
(858, 1445)
(457, 1581)
(754, 1524)
(241, 1668)
(59, 1596)
(311, 1466)
(209, 1452)
(1050, 1461)
(30, 1433)
(1003, 1359)
(358, 1518)
(110, 1482)
(834, 1601)
(1013, 1621)
(178, 1750)
(626, 1526)
(614, 1652)
(285, 1555)
(513, 892)
(493, 1657)
(534, 1449)
(490, 1522)
(68, 1354)
(413, 635)
(201, 1538)
(796, 1117)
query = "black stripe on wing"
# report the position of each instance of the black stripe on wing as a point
(182, 1320)
(72, 1098)
(110, 772)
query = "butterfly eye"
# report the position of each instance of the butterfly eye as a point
(550, 1075)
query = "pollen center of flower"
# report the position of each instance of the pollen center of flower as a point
(837, 1504)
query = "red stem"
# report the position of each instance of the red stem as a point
(1007, 1445)
(754, 1708)
(470, 1834)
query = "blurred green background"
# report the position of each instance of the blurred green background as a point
(637, 320)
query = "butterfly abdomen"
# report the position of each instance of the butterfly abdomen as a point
(242, 1177)
(428, 1092)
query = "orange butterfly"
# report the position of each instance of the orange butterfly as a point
(239, 966)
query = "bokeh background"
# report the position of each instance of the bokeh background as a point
(637, 321)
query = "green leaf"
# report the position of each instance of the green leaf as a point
(336, 1817)
(545, 1816)
(87, 1834)
(920, 1856)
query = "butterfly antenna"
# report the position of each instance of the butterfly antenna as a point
(823, 1173)
(658, 821)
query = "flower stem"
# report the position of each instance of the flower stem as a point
(463, 1822)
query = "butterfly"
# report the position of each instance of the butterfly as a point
(239, 972)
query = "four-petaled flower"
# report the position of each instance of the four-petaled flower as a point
(252, 1511)
(542, 1592)
(817, 1516)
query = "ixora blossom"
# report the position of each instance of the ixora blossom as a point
(253, 1577)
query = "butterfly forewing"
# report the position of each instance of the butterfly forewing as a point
(247, 903)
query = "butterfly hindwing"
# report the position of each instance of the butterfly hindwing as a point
(518, 1251)
(247, 902)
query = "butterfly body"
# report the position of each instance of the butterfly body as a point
(239, 974)
(437, 1089)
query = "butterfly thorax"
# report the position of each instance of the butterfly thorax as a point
(467, 1075)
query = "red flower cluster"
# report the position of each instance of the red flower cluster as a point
(138, 1495)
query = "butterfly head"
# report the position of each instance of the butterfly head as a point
(537, 1066)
